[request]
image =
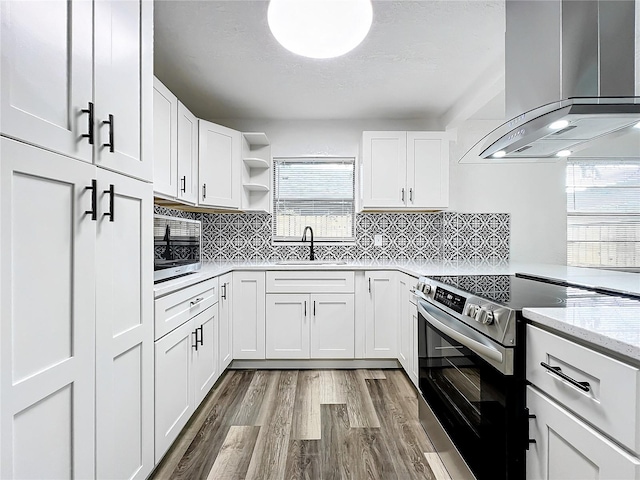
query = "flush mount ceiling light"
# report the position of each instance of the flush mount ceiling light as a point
(320, 28)
(563, 153)
(499, 154)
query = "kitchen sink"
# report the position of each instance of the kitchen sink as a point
(311, 262)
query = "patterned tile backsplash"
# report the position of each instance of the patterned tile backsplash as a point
(480, 238)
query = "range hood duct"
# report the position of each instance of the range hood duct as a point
(572, 81)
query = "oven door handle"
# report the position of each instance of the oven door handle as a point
(467, 336)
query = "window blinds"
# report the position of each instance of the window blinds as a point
(603, 213)
(318, 192)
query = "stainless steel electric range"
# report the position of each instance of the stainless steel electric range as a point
(471, 365)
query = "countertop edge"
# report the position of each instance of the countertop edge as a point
(602, 343)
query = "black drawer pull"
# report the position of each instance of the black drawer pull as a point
(89, 135)
(195, 344)
(183, 181)
(201, 341)
(584, 386)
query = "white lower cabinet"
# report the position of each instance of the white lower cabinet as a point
(302, 326)
(225, 325)
(186, 369)
(381, 313)
(76, 392)
(287, 325)
(248, 306)
(583, 408)
(567, 448)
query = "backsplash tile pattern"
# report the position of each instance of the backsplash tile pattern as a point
(474, 238)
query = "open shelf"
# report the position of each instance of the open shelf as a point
(256, 138)
(255, 162)
(256, 187)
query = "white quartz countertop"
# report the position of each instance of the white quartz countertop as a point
(613, 329)
(414, 268)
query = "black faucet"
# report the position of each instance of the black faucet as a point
(304, 239)
(167, 254)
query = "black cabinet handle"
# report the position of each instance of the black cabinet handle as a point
(224, 291)
(204, 191)
(411, 195)
(369, 284)
(402, 195)
(314, 308)
(195, 344)
(201, 335)
(584, 386)
(89, 135)
(305, 308)
(111, 127)
(112, 195)
(183, 180)
(94, 200)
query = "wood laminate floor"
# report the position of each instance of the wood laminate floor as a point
(305, 424)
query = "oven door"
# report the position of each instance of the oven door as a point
(473, 400)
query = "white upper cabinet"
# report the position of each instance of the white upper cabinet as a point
(405, 170)
(427, 170)
(384, 160)
(46, 73)
(219, 166)
(165, 140)
(187, 155)
(175, 147)
(61, 96)
(123, 85)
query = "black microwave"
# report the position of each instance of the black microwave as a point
(177, 245)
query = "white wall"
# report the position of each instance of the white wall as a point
(534, 194)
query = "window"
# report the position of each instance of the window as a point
(318, 192)
(603, 214)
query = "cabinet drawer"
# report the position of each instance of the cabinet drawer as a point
(568, 448)
(610, 404)
(310, 282)
(175, 309)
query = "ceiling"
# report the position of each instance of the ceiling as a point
(421, 60)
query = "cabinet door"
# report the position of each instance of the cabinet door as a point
(381, 315)
(287, 325)
(332, 326)
(248, 315)
(427, 170)
(46, 76)
(124, 327)
(187, 155)
(205, 356)
(123, 86)
(47, 326)
(225, 339)
(405, 332)
(174, 392)
(165, 140)
(568, 449)
(219, 165)
(384, 176)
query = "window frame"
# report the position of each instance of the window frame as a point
(344, 241)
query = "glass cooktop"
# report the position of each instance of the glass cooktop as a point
(517, 293)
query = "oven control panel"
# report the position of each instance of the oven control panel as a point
(452, 300)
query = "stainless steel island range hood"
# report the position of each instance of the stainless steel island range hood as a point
(572, 88)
